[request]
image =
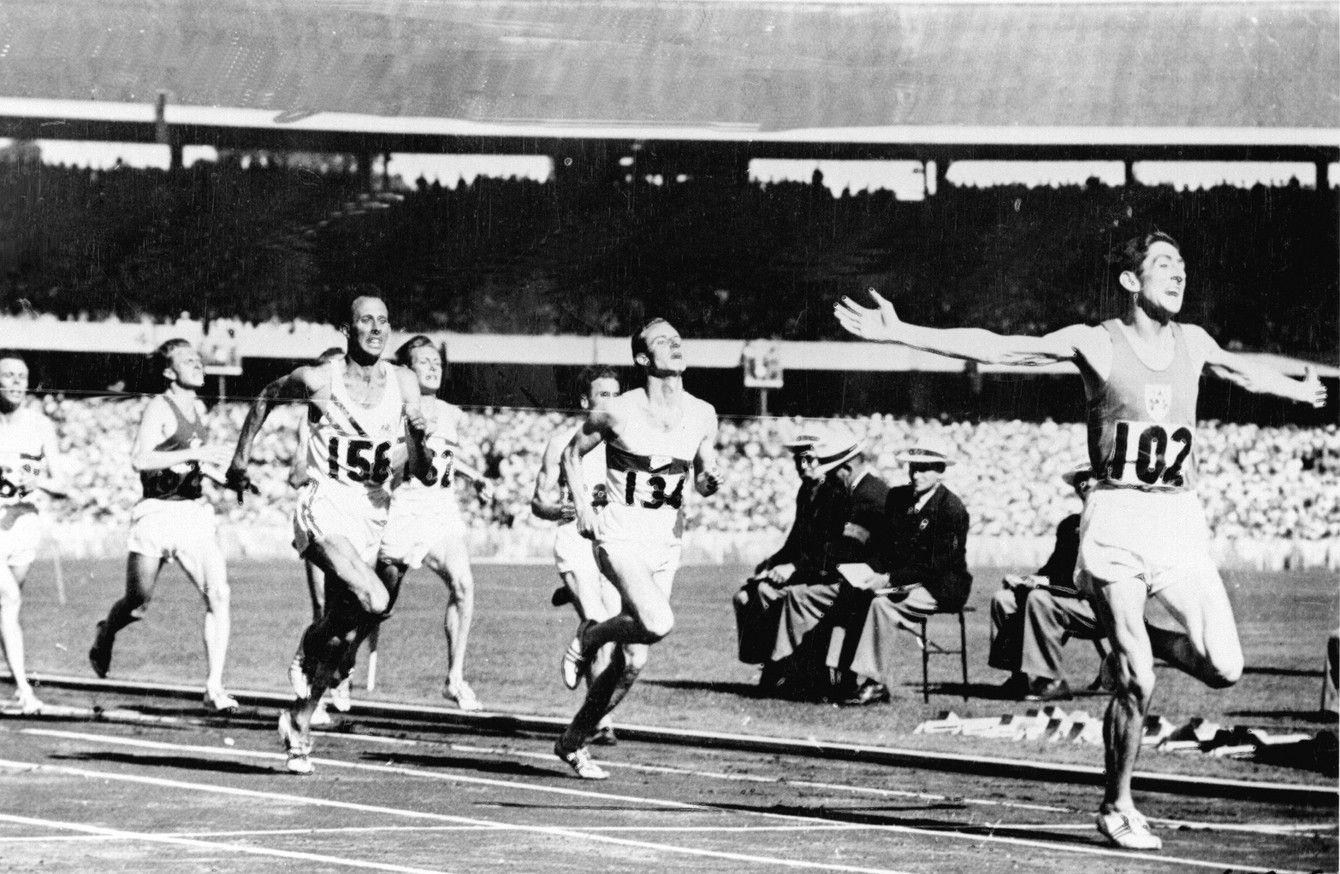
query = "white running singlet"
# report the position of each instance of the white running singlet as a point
(353, 445)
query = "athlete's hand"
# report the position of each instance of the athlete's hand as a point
(213, 456)
(418, 422)
(1312, 390)
(566, 513)
(588, 522)
(880, 324)
(236, 480)
(709, 481)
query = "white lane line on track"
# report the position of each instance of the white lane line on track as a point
(552, 831)
(352, 830)
(1052, 846)
(212, 846)
(1257, 828)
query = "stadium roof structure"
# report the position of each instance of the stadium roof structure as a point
(951, 79)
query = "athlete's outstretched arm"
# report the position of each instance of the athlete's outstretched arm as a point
(598, 425)
(707, 475)
(300, 385)
(1257, 377)
(547, 502)
(882, 325)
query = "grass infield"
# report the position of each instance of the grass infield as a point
(693, 680)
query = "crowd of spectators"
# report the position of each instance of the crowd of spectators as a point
(717, 258)
(1256, 482)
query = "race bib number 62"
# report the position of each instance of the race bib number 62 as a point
(1150, 454)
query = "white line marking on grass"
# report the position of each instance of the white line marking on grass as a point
(518, 785)
(569, 834)
(213, 846)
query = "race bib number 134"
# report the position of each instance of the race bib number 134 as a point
(1150, 454)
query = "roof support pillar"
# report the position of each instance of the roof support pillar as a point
(1323, 175)
(1128, 172)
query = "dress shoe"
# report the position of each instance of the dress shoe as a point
(1045, 689)
(869, 693)
(1015, 688)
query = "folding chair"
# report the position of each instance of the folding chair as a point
(930, 648)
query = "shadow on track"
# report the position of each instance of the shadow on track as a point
(187, 763)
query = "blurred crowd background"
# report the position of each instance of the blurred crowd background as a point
(278, 237)
(1256, 482)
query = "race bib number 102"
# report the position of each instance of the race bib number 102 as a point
(1149, 454)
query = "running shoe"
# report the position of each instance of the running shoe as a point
(100, 653)
(1128, 830)
(297, 744)
(339, 696)
(462, 694)
(28, 702)
(219, 701)
(575, 657)
(321, 717)
(579, 760)
(297, 677)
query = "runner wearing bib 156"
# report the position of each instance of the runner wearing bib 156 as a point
(360, 411)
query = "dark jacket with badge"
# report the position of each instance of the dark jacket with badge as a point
(928, 546)
(862, 527)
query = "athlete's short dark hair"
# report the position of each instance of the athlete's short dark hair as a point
(1131, 254)
(14, 354)
(329, 355)
(162, 356)
(343, 314)
(589, 374)
(405, 354)
(640, 338)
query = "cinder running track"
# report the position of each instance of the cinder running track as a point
(155, 784)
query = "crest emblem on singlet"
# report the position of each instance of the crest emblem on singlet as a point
(1158, 401)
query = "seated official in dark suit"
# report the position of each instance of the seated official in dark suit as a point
(924, 570)
(862, 492)
(1033, 615)
(799, 560)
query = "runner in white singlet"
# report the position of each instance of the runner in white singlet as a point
(172, 521)
(1142, 533)
(28, 448)
(657, 439)
(426, 526)
(360, 410)
(583, 585)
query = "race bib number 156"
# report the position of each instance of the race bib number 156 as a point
(1150, 454)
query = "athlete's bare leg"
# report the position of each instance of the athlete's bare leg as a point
(357, 597)
(11, 633)
(316, 588)
(646, 616)
(211, 579)
(450, 560)
(141, 577)
(606, 691)
(596, 600)
(1120, 607)
(1208, 649)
